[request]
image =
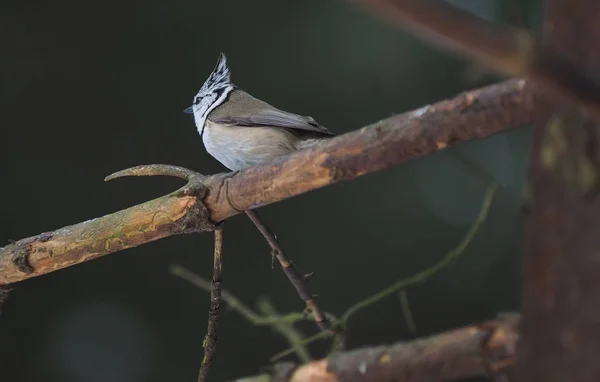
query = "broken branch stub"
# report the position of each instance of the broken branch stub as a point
(179, 212)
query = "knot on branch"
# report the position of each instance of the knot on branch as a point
(499, 343)
(197, 219)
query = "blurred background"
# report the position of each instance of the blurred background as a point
(89, 88)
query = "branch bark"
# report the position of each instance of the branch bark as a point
(506, 50)
(561, 290)
(298, 281)
(509, 51)
(210, 340)
(206, 199)
(478, 350)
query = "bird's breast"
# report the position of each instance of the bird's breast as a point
(239, 147)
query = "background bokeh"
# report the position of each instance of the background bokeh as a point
(88, 88)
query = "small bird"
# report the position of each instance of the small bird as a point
(241, 131)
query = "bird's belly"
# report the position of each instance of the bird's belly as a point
(239, 147)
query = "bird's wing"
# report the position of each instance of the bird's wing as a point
(274, 117)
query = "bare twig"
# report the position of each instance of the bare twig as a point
(509, 51)
(423, 276)
(296, 278)
(273, 319)
(232, 301)
(210, 341)
(294, 348)
(419, 278)
(410, 323)
(477, 350)
(203, 200)
(287, 330)
(235, 304)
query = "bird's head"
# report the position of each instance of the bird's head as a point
(213, 93)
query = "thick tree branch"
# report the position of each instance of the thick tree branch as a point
(471, 115)
(509, 51)
(476, 114)
(478, 350)
(176, 213)
(561, 289)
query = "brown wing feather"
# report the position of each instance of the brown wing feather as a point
(274, 117)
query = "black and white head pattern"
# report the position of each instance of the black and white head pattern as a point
(213, 93)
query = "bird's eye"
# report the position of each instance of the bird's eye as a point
(197, 101)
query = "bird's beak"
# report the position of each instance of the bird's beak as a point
(189, 110)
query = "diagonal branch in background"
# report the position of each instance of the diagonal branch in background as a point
(299, 281)
(487, 349)
(296, 279)
(509, 51)
(418, 278)
(286, 330)
(206, 199)
(276, 321)
(284, 323)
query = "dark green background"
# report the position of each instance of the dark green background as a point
(88, 88)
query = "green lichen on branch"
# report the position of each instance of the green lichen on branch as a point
(179, 212)
(570, 155)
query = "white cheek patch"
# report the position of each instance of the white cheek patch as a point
(207, 105)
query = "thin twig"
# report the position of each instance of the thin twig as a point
(413, 280)
(423, 276)
(306, 341)
(292, 273)
(232, 301)
(288, 331)
(210, 341)
(410, 323)
(237, 305)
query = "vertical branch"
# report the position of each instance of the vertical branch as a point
(561, 288)
(210, 341)
(284, 324)
(292, 273)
